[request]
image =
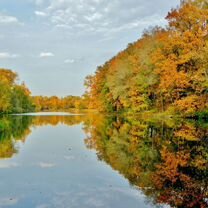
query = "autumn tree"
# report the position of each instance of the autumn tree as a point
(165, 70)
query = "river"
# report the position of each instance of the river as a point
(73, 161)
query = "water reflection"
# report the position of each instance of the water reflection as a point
(17, 128)
(12, 129)
(167, 160)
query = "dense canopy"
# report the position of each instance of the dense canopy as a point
(165, 70)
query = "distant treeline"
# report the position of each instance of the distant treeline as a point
(165, 71)
(16, 98)
(54, 103)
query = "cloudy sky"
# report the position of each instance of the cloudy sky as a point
(54, 44)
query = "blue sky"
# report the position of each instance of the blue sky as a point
(55, 44)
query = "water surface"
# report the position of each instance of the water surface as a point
(90, 161)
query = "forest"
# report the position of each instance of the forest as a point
(54, 103)
(14, 97)
(17, 98)
(151, 135)
(166, 70)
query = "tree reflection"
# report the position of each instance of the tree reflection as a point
(12, 129)
(167, 161)
(17, 128)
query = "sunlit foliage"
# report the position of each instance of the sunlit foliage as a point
(165, 70)
(54, 103)
(14, 97)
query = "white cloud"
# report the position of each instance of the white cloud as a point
(6, 20)
(46, 54)
(6, 55)
(93, 17)
(8, 201)
(41, 14)
(69, 61)
(100, 16)
(46, 165)
(8, 165)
